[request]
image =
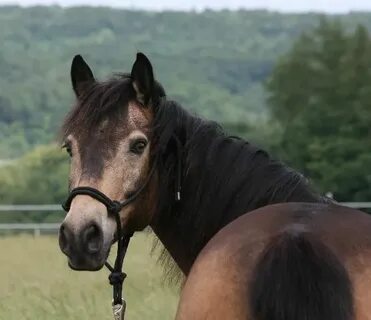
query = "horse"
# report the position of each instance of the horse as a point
(251, 236)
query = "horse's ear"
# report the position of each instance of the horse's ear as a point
(81, 75)
(143, 79)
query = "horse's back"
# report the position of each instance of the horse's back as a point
(222, 282)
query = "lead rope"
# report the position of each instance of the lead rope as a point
(117, 276)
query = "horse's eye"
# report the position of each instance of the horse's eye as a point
(138, 146)
(68, 148)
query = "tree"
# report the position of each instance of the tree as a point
(39, 177)
(320, 93)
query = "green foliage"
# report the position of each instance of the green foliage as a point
(35, 178)
(321, 95)
(212, 62)
(40, 177)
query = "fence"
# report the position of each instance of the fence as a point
(38, 228)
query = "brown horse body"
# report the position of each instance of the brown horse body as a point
(243, 257)
(221, 282)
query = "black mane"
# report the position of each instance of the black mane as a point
(223, 177)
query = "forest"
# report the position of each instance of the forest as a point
(297, 85)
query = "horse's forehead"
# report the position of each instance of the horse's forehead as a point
(139, 118)
(136, 118)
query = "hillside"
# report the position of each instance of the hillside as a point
(213, 62)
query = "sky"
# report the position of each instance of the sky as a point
(329, 6)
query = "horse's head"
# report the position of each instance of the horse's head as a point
(108, 136)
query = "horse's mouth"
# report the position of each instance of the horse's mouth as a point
(85, 266)
(89, 262)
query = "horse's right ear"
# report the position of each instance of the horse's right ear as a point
(81, 75)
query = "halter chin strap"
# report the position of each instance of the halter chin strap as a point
(117, 277)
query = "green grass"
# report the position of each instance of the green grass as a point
(36, 283)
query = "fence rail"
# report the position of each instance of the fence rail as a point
(30, 207)
(38, 228)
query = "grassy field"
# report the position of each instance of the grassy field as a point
(36, 283)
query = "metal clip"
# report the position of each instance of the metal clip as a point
(119, 310)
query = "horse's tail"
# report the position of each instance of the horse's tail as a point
(298, 277)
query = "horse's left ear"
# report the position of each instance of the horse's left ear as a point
(81, 75)
(143, 79)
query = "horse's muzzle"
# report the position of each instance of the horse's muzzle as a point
(83, 248)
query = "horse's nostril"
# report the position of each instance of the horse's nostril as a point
(64, 238)
(92, 239)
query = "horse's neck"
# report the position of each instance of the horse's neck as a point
(223, 179)
(176, 249)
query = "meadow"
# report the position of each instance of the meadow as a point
(36, 283)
